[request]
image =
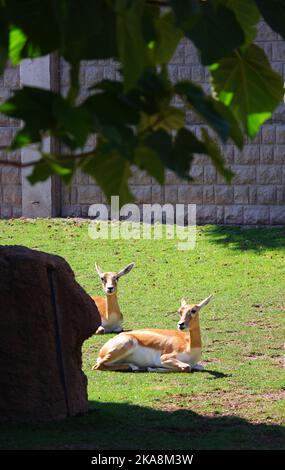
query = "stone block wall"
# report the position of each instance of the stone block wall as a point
(10, 177)
(76, 199)
(257, 193)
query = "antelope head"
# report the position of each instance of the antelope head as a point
(110, 279)
(188, 312)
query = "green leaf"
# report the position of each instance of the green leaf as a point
(154, 90)
(273, 12)
(235, 130)
(247, 84)
(150, 15)
(46, 111)
(211, 26)
(169, 119)
(4, 40)
(87, 29)
(64, 169)
(119, 139)
(113, 117)
(41, 172)
(186, 142)
(37, 22)
(176, 155)
(129, 104)
(168, 37)
(131, 44)
(32, 105)
(147, 159)
(112, 108)
(187, 12)
(247, 15)
(17, 42)
(161, 143)
(46, 168)
(205, 106)
(74, 84)
(111, 172)
(71, 123)
(185, 145)
(25, 136)
(214, 152)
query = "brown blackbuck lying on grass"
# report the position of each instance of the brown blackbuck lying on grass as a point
(111, 316)
(157, 350)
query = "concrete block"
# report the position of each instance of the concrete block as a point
(256, 215)
(190, 194)
(233, 215)
(224, 194)
(269, 174)
(266, 194)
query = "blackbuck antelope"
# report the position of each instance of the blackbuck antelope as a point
(111, 316)
(156, 350)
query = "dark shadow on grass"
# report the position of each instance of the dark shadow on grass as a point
(215, 374)
(127, 426)
(240, 238)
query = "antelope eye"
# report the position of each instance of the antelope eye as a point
(194, 311)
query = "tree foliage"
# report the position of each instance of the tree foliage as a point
(134, 119)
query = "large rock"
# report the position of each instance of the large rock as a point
(44, 318)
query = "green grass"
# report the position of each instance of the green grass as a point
(238, 402)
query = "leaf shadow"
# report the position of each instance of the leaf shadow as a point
(245, 239)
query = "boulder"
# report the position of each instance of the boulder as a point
(45, 316)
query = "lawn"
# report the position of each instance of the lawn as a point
(237, 402)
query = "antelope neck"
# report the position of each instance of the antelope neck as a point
(195, 333)
(112, 304)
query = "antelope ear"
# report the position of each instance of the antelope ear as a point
(183, 302)
(205, 301)
(98, 269)
(126, 270)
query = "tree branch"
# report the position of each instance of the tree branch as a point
(17, 164)
(158, 3)
(59, 158)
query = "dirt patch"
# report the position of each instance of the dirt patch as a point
(258, 305)
(254, 407)
(212, 360)
(264, 323)
(279, 361)
(255, 355)
(257, 323)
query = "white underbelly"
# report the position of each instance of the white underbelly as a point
(143, 357)
(191, 358)
(112, 320)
